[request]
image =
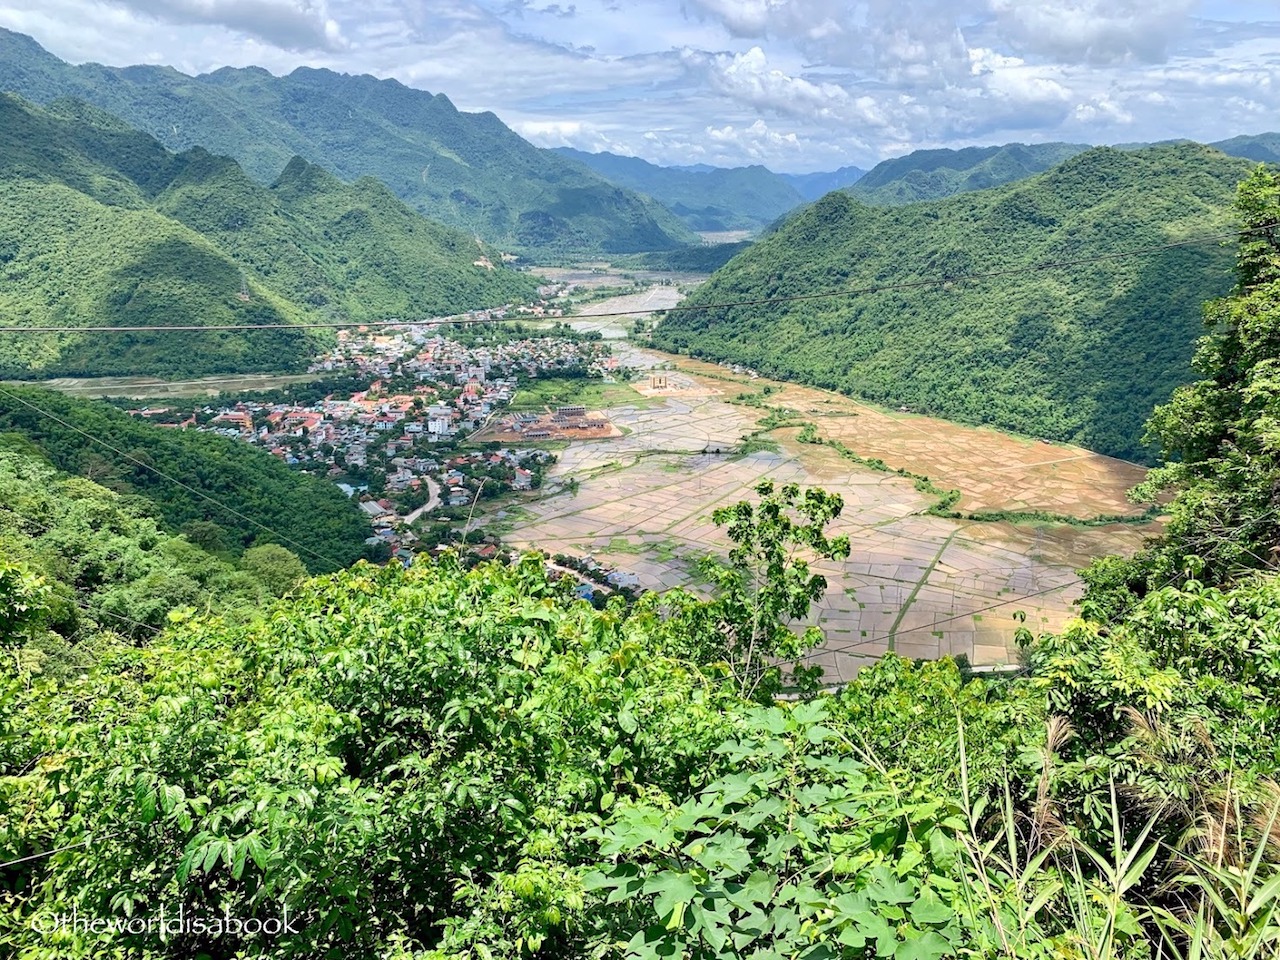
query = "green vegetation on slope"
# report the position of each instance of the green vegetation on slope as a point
(107, 563)
(934, 174)
(1261, 148)
(740, 198)
(466, 170)
(102, 225)
(253, 498)
(1078, 354)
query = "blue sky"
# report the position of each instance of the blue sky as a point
(798, 85)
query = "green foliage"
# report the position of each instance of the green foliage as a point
(373, 756)
(105, 226)
(714, 200)
(767, 582)
(802, 850)
(1221, 435)
(80, 559)
(934, 174)
(467, 170)
(1079, 354)
(279, 569)
(250, 496)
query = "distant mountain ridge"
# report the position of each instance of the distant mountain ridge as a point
(1079, 355)
(712, 199)
(811, 186)
(100, 224)
(466, 170)
(934, 174)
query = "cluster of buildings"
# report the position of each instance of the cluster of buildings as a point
(393, 443)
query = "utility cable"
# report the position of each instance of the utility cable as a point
(190, 489)
(678, 308)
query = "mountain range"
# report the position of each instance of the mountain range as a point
(1080, 353)
(103, 225)
(463, 169)
(711, 200)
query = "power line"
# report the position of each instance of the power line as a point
(190, 489)
(678, 308)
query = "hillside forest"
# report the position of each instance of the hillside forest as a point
(446, 763)
(102, 225)
(1079, 352)
(469, 171)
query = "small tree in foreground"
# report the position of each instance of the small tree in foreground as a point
(767, 583)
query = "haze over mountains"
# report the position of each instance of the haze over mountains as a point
(466, 170)
(278, 236)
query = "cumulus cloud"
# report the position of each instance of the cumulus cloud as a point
(289, 24)
(748, 78)
(910, 39)
(568, 133)
(1094, 31)
(757, 141)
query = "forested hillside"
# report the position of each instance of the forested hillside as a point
(934, 174)
(1079, 353)
(231, 495)
(719, 199)
(466, 170)
(102, 225)
(109, 564)
(1262, 147)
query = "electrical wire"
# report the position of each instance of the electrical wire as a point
(678, 308)
(190, 489)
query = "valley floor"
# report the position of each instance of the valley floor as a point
(920, 585)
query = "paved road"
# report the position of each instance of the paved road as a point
(433, 501)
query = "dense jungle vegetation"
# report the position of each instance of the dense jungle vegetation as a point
(1080, 353)
(437, 763)
(102, 225)
(934, 174)
(232, 496)
(467, 170)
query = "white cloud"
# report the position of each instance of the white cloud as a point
(1094, 31)
(799, 84)
(289, 24)
(749, 79)
(1102, 109)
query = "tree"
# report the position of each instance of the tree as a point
(1220, 437)
(767, 584)
(279, 569)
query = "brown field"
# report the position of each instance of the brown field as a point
(504, 431)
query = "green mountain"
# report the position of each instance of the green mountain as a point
(466, 170)
(231, 495)
(712, 199)
(103, 225)
(934, 174)
(1262, 147)
(811, 186)
(1079, 354)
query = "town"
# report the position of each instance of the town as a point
(390, 418)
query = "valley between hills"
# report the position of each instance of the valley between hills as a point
(919, 585)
